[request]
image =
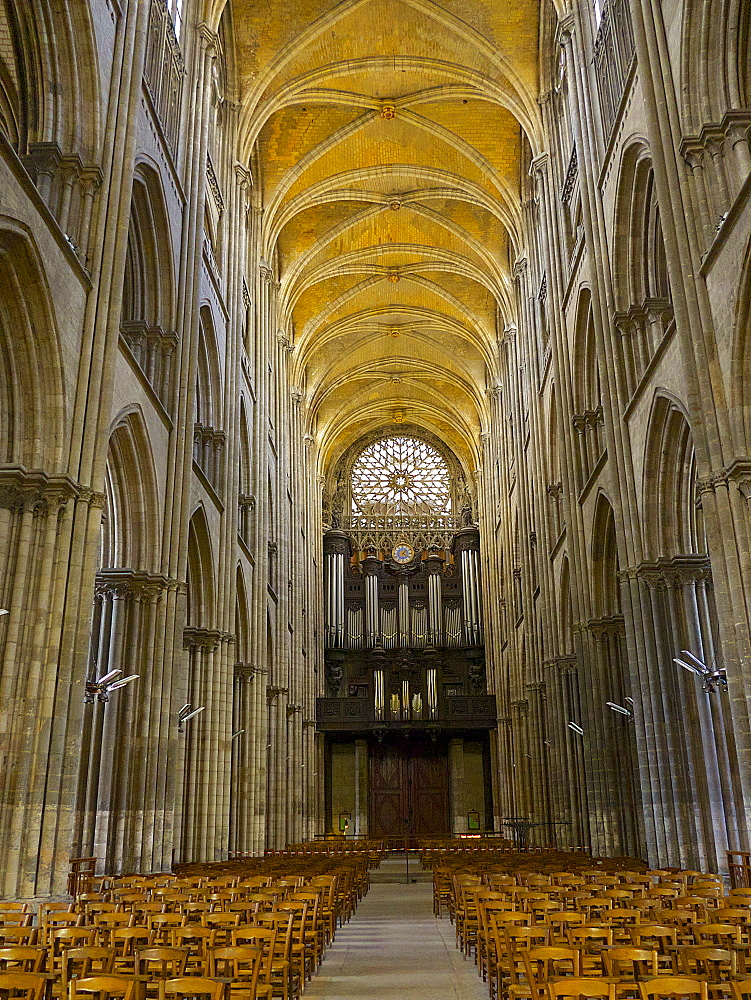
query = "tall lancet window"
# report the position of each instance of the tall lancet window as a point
(400, 476)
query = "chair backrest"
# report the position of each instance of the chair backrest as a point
(543, 963)
(18, 935)
(121, 986)
(240, 962)
(17, 918)
(22, 958)
(28, 983)
(661, 934)
(719, 934)
(191, 986)
(572, 987)
(715, 964)
(673, 986)
(637, 962)
(81, 963)
(168, 963)
(580, 937)
(741, 989)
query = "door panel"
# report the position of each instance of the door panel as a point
(409, 790)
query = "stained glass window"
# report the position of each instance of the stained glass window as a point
(400, 475)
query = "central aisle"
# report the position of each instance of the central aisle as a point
(395, 947)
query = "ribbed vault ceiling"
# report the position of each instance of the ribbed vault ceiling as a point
(385, 136)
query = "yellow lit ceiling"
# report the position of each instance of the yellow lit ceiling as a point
(387, 135)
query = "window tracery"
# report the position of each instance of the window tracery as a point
(401, 475)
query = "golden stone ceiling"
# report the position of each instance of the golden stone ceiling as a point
(385, 139)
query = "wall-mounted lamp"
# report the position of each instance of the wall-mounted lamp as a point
(185, 713)
(103, 687)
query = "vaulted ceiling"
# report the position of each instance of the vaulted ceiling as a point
(386, 138)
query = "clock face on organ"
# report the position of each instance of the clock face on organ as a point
(402, 553)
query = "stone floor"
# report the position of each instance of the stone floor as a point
(395, 948)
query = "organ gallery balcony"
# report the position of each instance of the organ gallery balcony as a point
(453, 712)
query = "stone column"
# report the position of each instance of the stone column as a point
(458, 811)
(362, 789)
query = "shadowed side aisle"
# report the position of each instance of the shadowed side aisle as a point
(395, 947)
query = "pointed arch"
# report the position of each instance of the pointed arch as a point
(129, 524)
(605, 586)
(147, 317)
(640, 264)
(671, 514)
(588, 395)
(208, 384)
(242, 619)
(31, 423)
(49, 81)
(565, 611)
(200, 572)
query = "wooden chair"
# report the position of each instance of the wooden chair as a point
(63, 938)
(559, 923)
(672, 986)
(222, 924)
(283, 972)
(83, 963)
(659, 938)
(512, 944)
(29, 984)
(717, 935)
(197, 940)
(126, 942)
(191, 986)
(264, 939)
(630, 964)
(14, 935)
(301, 954)
(104, 986)
(105, 923)
(6, 905)
(590, 939)
(22, 958)
(544, 965)
(578, 988)
(716, 965)
(159, 964)
(161, 926)
(15, 918)
(741, 989)
(56, 920)
(241, 963)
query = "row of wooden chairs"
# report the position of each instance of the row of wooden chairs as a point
(619, 928)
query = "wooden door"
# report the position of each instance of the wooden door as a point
(409, 790)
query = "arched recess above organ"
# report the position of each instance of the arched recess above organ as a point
(339, 477)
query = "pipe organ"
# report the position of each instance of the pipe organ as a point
(376, 599)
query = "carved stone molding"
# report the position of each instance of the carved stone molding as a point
(205, 639)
